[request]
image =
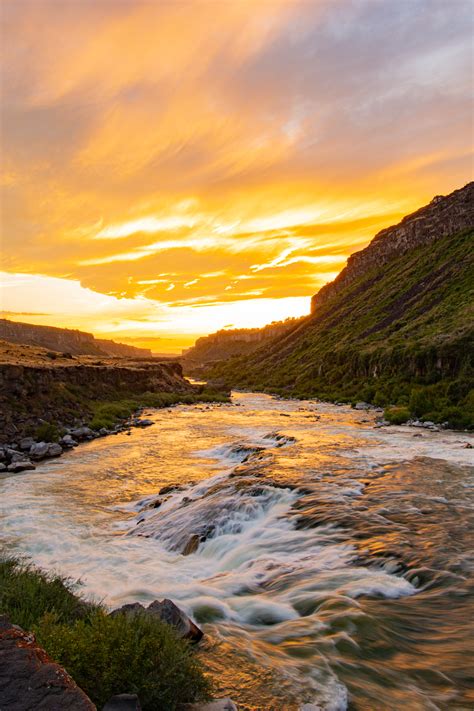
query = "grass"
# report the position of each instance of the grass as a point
(104, 655)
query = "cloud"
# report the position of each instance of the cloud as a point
(223, 145)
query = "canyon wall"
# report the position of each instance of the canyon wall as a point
(65, 340)
(444, 216)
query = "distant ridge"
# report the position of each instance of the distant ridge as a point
(394, 328)
(65, 340)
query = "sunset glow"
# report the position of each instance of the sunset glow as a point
(172, 168)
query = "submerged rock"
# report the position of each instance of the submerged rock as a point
(191, 545)
(29, 679)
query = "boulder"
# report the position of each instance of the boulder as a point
(81, 433)
(20, 466)
(166, 611)
(29, 679)
(170, 613)
(26, 443)
(123, 702)
(2, 467)
(362, 406)
(55, 450)
(39, 450)
(68, 441)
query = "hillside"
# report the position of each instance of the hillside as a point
(65, 340)
(395, 327)
(226, 343)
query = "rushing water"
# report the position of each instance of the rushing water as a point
(334, 560)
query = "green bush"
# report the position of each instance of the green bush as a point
(47, 433)
(397, 415)
(112, 655)
(104, 655)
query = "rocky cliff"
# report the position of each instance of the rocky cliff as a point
(65, 340)
(227, 343)
(443, 217)
(36, 388)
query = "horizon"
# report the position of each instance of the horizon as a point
(313, 126)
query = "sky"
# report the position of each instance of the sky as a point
(172, 168)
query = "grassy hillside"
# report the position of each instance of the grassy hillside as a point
(400, 334)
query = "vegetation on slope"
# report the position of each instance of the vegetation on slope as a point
(400, 335)
(104, 655)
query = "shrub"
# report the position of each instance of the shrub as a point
(47, 432)
(112, 655)
(397, 415)
(104, 655)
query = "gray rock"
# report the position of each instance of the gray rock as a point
(143, 423)
(123, 702)
(55, 450)
(362, 406)
(20, 466)
(81, 433)
(2, 467)
(39, 450)
(170, 613)
(26, 443)
(68, 441)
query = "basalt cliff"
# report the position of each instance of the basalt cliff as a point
(395, 328)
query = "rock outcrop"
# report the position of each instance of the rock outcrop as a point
(444, 216)
(29, 679)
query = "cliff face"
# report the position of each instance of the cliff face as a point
(227, 343)
(444, 216)
(35, 388)
(65, 340)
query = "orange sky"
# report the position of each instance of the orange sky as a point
(171, 168)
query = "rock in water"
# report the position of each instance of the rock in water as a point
(20, 465)
(55, 450)
(30, 680)
(169, 613)
(123, 702)
(192, 544)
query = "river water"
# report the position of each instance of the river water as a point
(332, 561)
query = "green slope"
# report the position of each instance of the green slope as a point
(401, 334)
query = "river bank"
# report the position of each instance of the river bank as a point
(332, 565)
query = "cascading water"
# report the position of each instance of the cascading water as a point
(328, 562)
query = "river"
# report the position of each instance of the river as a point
(334, 560)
